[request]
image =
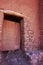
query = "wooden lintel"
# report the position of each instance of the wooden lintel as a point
(12, 13)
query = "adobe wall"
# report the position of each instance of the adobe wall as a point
(30, 9)
(41, 22)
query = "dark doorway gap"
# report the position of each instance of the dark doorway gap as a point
(12, 18)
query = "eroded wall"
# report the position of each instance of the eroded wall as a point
(41, 22)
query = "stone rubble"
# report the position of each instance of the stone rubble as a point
(19, 57)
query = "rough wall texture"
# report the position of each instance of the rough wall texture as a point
(30, 9)
(41, 23)
(1, 25)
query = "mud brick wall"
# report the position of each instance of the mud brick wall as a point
(1, 26)
(41, 22)
(29, 39)
(30, 9)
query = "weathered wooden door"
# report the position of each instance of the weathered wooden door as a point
(11, 35)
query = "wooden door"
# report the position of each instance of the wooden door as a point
(11, 35)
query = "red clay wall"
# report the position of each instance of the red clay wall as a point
(30, 9)
(41, 23)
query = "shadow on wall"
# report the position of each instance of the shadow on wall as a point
(41, 23)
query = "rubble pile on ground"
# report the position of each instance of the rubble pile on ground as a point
(19, 57)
